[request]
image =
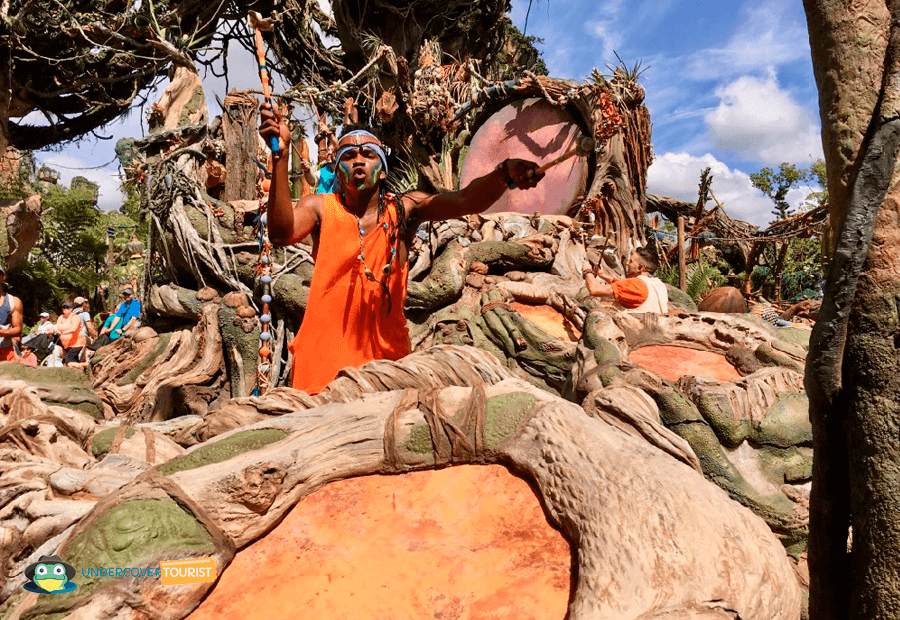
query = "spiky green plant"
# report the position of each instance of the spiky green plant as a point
(631, 73)
(403, 178)
(701, 278)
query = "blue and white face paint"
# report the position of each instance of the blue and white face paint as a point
(360, 139)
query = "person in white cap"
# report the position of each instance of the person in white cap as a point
(41, 337)
(44, 326)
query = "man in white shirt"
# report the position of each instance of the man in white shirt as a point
(637, 292)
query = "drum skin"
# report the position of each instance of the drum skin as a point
(535, 130)
(724, 299)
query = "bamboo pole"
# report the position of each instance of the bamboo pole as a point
(111, 266)
(682, 267)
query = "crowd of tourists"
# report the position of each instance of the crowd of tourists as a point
(67, 338)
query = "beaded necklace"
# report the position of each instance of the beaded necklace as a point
(388, 268)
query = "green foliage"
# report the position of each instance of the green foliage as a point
(802, 269)
(134, 215)
(776, 185)
(519, 53)
(801, 275)
(702, 277)
(404, 177)
(803, 263)
(69, 239)
(819, 176)
(70, 257)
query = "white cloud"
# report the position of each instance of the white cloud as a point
(759, 121)
(608, 30)
(767, 35)
(678, 175)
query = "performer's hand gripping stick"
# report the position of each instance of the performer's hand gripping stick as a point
(259, 24)
(582, 147)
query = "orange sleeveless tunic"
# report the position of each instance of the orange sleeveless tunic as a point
(347, 320)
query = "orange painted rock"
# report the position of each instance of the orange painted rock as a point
(724, 299)
(672, 363)
(549, 320)
(466, 543)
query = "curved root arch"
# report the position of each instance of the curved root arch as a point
(593, 480)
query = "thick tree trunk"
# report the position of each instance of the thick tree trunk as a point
(851, 374)
(871, 379)
(240, 125)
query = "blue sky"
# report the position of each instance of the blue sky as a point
(729, 85)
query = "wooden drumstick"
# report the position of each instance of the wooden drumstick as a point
(582, 147)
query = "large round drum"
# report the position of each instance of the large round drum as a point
(538, 131)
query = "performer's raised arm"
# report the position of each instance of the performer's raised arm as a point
(289, 221)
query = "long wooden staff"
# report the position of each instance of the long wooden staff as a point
(259, 24)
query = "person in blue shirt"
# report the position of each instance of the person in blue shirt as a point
(327, 143)
(129, 313)
(327, 178)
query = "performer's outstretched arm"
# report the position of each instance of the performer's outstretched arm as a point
(478, 195)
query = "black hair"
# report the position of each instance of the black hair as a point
(648, 259)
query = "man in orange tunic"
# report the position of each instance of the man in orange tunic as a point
(361, 236)
(637, 292)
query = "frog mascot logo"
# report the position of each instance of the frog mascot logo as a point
(50, 575)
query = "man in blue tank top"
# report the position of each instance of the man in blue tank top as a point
(10, 318)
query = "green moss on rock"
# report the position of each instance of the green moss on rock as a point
(776, 510)
(769, 356)
(419, 440)
(55, 377)
(238, 343)
(132, 534)
(64, 387)
(193, 106)
(198, 221)
(224, 449)
(680, 300)
(787, 423)
(7, 608)
(505, 413)
(794, 335)
(781, 465)
(608, 375)
(101, 443)
(716, 409)
(675, 409)
(291, 290)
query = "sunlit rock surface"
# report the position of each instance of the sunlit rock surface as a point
(468, 542)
